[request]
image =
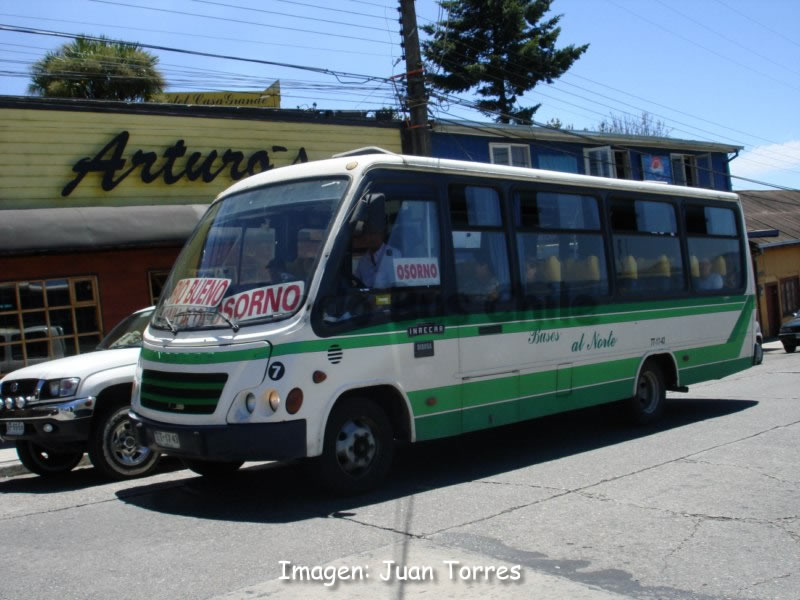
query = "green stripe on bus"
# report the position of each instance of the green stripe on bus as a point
(543, 320)
(180, 400)
(473, 394)
(715, 371)
(182, 385)
(694, 357)
(557, 314)
(204, 358)
(502, 413)
(363, 340)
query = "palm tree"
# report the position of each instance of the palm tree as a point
(97, 69)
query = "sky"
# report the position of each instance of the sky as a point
(725, 71)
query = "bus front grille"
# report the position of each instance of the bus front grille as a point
(185, 393)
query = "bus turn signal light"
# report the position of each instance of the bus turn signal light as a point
(294, 401)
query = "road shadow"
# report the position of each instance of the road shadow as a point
(83, 477)
(282, 493)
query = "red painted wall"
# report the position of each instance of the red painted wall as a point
(121, 275)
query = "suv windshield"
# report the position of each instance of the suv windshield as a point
(128, 332)
(251, 257)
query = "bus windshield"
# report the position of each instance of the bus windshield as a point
(251, 258)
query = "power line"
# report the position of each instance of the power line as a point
(733, 41)
(331, 72)
(511, 65)
(272, 12)
(751, 19)
(241, 21)
(195, 35)
(699, 45)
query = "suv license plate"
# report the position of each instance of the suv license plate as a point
(167, 439)
(15, 428)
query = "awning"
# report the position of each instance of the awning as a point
(83, 228)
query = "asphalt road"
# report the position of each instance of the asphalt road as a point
(706, 505)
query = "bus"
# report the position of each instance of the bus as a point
(327, 310)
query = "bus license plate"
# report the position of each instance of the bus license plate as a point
(15, 428)
(167, 439)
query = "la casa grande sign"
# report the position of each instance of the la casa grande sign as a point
(111, 164)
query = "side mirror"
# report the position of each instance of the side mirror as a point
(369, 215)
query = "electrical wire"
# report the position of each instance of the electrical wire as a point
(242, 22)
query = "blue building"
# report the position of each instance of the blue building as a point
(670, 160)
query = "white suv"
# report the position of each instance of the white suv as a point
(57, 410)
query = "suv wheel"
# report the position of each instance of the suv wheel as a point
(113, 448)
(44, 462)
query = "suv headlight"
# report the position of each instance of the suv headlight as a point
(61, 388)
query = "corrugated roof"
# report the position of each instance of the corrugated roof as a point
(772, 209)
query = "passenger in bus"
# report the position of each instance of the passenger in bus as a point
(478, 281)
(309, 242)
(709, 279)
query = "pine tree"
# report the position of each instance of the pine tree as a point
(501, 48)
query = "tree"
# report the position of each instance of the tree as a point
(97, 69)
(502, 48)
(627, 124)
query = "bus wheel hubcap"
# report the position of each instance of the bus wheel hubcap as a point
(355, 446)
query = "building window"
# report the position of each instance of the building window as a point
(790, 295)
(515, 155)
(156, 281)
(605, 162)
(692, 170)
(45, 319)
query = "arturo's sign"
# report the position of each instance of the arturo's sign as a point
(114, 168)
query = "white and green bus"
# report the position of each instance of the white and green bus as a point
(332, 308)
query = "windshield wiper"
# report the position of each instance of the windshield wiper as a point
(216, 312)
(234, 325)
(171, 325)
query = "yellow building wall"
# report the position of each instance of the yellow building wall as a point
(39, 148)
(773, 265)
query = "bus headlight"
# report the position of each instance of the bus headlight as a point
(250, 403)
(274, 399)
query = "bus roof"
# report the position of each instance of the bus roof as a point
(357, 164)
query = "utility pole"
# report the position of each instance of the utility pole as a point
(415, 80)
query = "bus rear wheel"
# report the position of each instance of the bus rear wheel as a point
(647, 404)
(358, 447)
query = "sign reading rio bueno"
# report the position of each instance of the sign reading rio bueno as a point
(109, 162)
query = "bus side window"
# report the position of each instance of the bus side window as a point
(561, 251)
(394, 272)
(647, 248)
(712, 238)
(483, 275)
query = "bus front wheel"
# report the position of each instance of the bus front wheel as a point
(647, 404)
(358, 447)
